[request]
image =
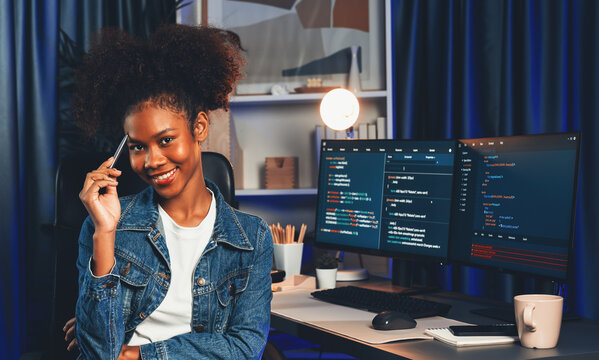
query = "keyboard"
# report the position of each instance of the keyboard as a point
(378, 301)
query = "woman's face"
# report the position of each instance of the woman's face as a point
(164, 152)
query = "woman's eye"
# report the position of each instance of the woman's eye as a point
(166, 140)
(136, 147)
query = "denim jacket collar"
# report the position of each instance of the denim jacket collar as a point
(141, 214)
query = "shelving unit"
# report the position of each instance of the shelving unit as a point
(281, 117)
(284, 126)
(268, 125)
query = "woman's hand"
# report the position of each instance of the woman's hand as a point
(69, 331)
(104, 209)
(129, 353)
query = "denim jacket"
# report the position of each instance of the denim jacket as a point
(231, 286)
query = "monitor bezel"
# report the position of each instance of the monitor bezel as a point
(377, 252)
(567, 278)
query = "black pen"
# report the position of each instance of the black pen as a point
(118, 151)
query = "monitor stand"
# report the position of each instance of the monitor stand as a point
(350, 274)
(402, 274)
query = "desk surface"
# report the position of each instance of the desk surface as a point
(578, 338)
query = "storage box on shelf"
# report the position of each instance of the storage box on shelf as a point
(281, 172)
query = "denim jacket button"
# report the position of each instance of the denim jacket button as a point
(200, 328)
(125, 270)
(201, 281)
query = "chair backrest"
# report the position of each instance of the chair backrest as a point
(218, 169)
(70, 214)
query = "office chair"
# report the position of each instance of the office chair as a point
(70, 214)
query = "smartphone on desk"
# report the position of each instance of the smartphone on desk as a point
(484, 330)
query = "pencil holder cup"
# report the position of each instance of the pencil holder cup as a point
(288, 257)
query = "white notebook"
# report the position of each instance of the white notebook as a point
(444, 335)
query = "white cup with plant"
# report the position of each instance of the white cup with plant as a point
(326, 271)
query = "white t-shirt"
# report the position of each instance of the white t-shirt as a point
(185, 247)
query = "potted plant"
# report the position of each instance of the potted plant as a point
(326, 271)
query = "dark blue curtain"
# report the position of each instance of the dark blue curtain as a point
(28, 34)
(469, 68)
(29, 132)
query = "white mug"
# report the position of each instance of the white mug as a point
(538, 318)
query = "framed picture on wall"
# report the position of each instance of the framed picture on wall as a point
(288, 42)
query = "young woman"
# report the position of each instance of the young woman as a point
(172, 272)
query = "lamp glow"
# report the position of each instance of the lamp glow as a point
(339, 109)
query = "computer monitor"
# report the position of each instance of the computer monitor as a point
(514, 204)
(385, 197)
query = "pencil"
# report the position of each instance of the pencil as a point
(300, 238)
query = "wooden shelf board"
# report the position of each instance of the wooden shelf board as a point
(291, 98)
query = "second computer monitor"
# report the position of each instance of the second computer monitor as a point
(385, 197)
(514, 203)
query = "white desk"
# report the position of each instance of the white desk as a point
(300, 306)
(578, 338)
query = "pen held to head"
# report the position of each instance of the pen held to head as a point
(119, 150)
(117, 154)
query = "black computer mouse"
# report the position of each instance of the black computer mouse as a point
(393, 320)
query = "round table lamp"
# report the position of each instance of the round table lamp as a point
(339, 109)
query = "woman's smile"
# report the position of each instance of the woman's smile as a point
(165, 178)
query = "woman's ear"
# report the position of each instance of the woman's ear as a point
(201, 127)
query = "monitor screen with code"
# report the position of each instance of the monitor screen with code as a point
(513, 206)
(385, 197)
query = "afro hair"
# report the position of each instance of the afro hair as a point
(185, 69)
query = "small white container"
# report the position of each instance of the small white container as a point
(288, 257)
(326, 278)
